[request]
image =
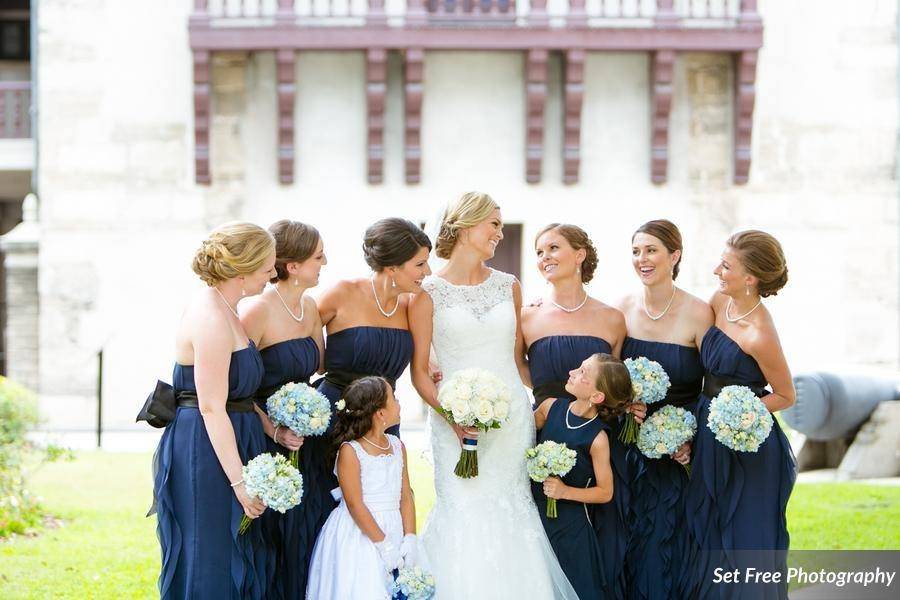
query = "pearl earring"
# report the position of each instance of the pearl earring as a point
(578, 270)
(296, 282)
(243, 292)
(747, 289)
(393, 283)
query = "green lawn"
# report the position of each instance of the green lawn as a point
(105, 548)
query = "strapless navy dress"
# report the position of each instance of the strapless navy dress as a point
(549, 361)
(295, 361)
(736, 501)
(656, 561)
(197, 511)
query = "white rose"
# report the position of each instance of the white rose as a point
(484, 411)
(501, 410)
(460, 409)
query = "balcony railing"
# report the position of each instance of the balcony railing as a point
(15, 109)
(521, 13)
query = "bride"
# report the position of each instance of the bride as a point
(483, 538)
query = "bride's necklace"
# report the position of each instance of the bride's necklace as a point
(731, 319)
(570, 310)
(385, 448)
(665, 310)
(231, 308)
(570, 426)
(290, 312)
(378, 303)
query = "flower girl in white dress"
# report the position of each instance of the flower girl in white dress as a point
(372, 532)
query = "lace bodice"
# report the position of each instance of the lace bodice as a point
(473, 325)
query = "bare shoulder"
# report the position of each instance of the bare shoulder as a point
(625, 303)
(762, 337)
(698, 310)
(608, 313)
(601, 442)
(309, 303)
(255, 308)
(544, 407)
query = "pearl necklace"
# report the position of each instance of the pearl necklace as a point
(377, 446)
(222, 296)
(378, 302)
(736, 319)
(290, 312)
(570, 310)
(569, 411)
(665, 310)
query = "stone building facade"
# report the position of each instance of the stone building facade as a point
(120, 212)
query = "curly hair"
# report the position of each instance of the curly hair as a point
(470, 210)
(615, 383)
(231, 250)
(362, 399)
(579, 240)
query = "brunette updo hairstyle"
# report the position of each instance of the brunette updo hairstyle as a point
(615, 383)
(362, 399)
(392, 242)
(579, 240)
(294, 242)
(470, 210)
(231, 250)
(666, 232)
(762, 256)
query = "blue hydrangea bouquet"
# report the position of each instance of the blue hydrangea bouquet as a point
(665, 431)
(272, 479)
(546, 459)
(650, 383)
(301, 409)
(739, 419)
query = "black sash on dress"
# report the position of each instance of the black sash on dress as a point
(713, 384)
(189, 400)
(341, 379)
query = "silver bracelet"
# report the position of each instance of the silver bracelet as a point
(275, 434)
(237, 483)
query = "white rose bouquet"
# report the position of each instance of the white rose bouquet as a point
(474, 398)
(301, 409)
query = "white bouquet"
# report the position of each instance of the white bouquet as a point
(474, 398)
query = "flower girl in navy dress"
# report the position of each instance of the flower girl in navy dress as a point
(372, 532)
(736, 501)
(601, 387)
(368, 334)
(198, 489)
(560, 332)
(284, 324)
(666, 325)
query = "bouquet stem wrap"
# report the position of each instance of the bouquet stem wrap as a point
(467, 467)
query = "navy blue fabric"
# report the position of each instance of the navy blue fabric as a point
(656, 561)
(294, 360)
(197, 511)
(736, 501)
(575, 541)
(550, 359)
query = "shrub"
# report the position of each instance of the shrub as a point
(19, 510)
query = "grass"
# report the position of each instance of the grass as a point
(105, 548)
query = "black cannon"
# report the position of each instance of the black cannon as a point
(831, 406)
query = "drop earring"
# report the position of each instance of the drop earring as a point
(296, 282)
(747, 289)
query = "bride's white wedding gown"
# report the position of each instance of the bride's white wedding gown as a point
(484, 538)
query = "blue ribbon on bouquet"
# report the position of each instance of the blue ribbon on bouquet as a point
(470, 444)
(398, 595)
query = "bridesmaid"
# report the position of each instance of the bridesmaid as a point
(285, 326)
(601, 387)
(560, 333)
(198, 488)
(368, 334)
(665, 324)
(736, 501)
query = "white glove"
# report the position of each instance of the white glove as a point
(408, 548)
(390, 555)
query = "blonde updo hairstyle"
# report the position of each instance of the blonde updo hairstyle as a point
(231, 250)
(470, 210)
(762, 256)
(579, 240)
